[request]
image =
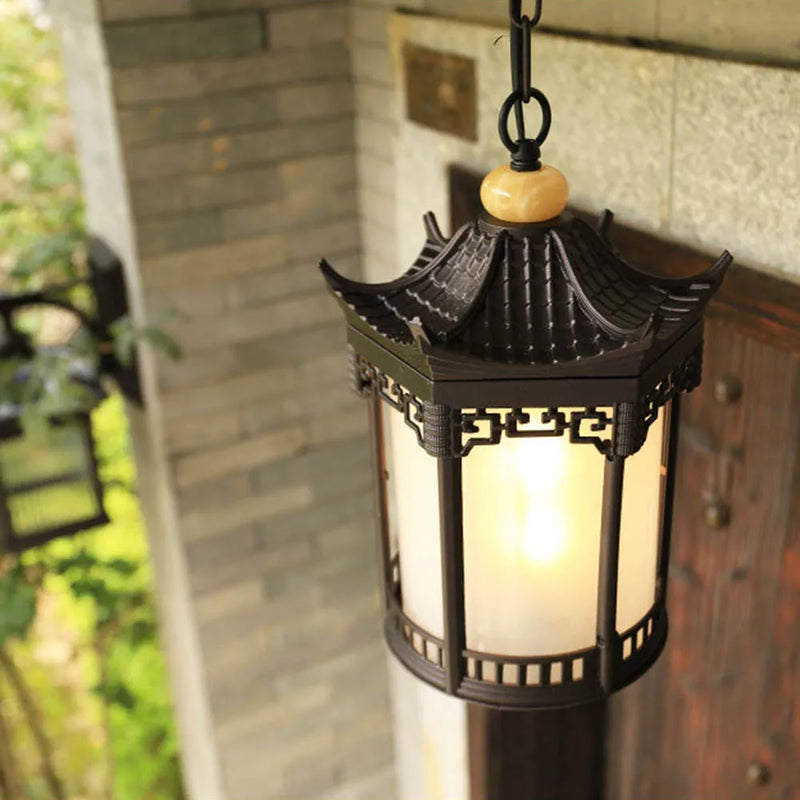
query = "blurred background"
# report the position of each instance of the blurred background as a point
(85, 709)
(220, 637)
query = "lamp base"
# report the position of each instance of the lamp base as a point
(537, 755)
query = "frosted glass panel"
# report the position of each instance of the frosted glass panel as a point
(641, 522)
(414, 483)
(532, 511)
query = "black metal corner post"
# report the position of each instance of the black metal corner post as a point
(98, 487)
(376, 437)
(607, 637)
(537, 755)
(452, 550)
(6, 524)
(669, 462)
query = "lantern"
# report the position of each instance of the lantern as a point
(49, 484)
(524, 386)
(49, 480)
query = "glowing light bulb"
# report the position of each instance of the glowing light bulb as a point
(532, 509)
(544, 539)
(534, 529)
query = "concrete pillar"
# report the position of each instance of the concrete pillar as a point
(216, 141)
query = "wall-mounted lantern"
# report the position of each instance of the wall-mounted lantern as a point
(49, 480)
(49, 485)
(525, 465)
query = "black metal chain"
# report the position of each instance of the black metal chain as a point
(525, 152)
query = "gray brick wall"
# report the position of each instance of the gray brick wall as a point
(135, 43)
(237, 125)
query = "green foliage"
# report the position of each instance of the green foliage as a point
(102, 580)
(41, 213)
(17, 604)
(146, 755)
(56, 253)
(42, 226)
(126, 336)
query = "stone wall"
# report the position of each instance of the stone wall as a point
(698, 150)
(232, 122)
(762, 30)
(703, 50)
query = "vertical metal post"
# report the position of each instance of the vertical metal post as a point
(668, 497)
(537, 755)
(381, 502)
(452, 550)
(6, 524)
(93, 467)
(609, 569)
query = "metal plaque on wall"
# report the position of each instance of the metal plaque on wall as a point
(440, 91)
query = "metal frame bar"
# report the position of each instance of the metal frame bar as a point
(380, 496)
(7, 537)
(21, 543)
(42, 483)
(629, 423)
(668, 498)
(452, 549)
(487, 386)
(545, 695)
(94, 467)
(607, 587)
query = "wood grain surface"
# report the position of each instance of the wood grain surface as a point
(718, 718)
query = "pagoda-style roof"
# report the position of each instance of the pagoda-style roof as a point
(544, 294)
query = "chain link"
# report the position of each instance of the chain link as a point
(524, 150)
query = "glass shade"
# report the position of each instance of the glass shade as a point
(532, 511)
(640, 528)
(551, 548)
(413, 480)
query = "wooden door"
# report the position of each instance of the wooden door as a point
(718, 718)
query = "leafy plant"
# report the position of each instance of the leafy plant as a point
(54, 257)
(17, 604)
(101, 579)
(41, 213)
(127, 335)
